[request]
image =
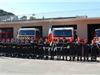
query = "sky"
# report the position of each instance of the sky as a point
(52, 8)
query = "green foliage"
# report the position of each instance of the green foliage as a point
(4, 13)
(32, 17)
(23, 18)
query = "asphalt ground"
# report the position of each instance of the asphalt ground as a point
(18, 66)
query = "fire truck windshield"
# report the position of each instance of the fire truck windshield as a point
(97, 33)
(26, 32)
(63, 33)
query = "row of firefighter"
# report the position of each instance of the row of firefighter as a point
(61, 42)
(60, 50)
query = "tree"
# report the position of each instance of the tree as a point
(23, 18)
(32, 17)
(6, 16)
(5, 13)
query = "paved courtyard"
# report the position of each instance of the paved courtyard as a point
(16, 66)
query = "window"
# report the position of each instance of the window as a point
(63, 33)
(97, 33)
(26, 32)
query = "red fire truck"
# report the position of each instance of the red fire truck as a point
(61, 33)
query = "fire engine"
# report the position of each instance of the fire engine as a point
(28, 33)
(61, 33)
(97, 32)
(97, 35)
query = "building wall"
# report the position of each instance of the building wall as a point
(82, 30)
(80, 22)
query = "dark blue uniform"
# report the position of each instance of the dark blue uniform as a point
(66, 49)
(46, 50)
(94, 52)
(59, 50)
(79, 51)
(86, 51)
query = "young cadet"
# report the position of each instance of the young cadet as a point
(40, 48)
(46, 49)
(59, 50)
(66, 49)
(87, 48)
(53, 49)
(79, 50)
(94, 50)
(34, 48)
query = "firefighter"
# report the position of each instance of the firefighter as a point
(86, 50)
(59, 46)
(61, 49)
(15, 44)
(53, 49)
(79, 48)
(7, 49)
(82, 50)
(75, 46)
(11, 48)
(72, 51)
(34, 48)
(25, 49)
(3, 47)
(40, 48)
(94, 50)
(22, 49)
(66, 49)
(46, 49)
(0, 48)
(30, 50)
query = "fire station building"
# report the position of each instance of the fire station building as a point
(84, 27)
